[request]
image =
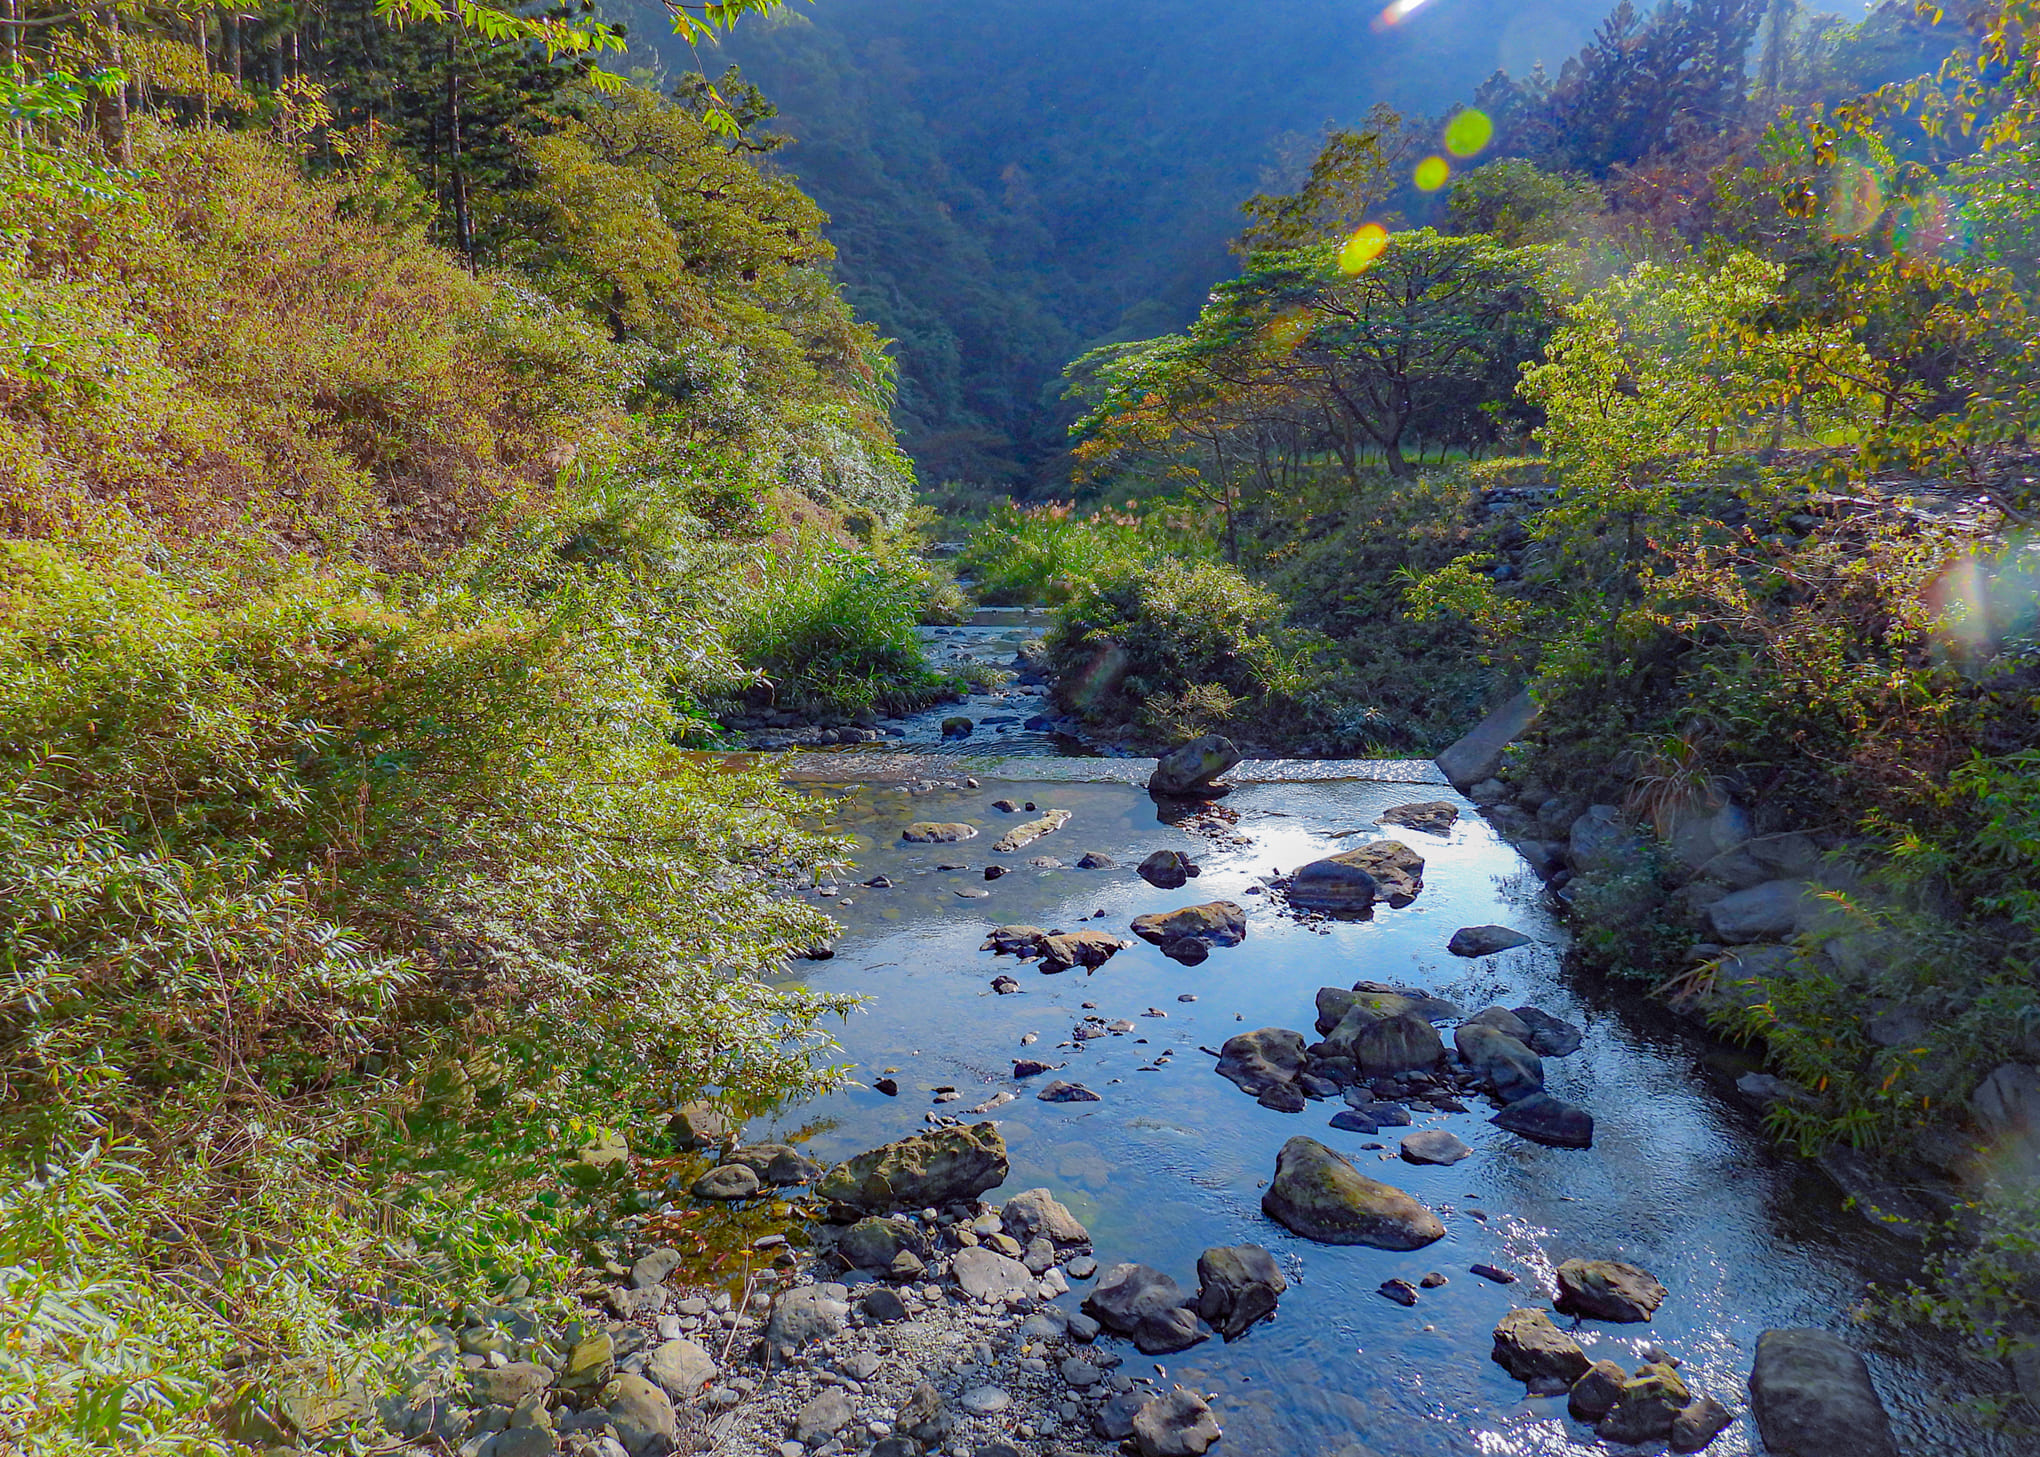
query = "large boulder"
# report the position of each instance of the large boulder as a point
(681, 1368)
(1188, 771)
(1036, 1214)
(2006, 1106)
(1267, 1057)
(1014, 941)
(1608, 1290)
(1142, 1302)
(873, 1244)
(1533, 1350)
(1549, 1036)
(1601, 839)
(1767, 912)
(985, 1274)
(1216, 923)
(777, 1164)
(1088, 949)
(1380, 1046)
(1699, 832)
(643, 1416)
(940, 1167)
(1471, 941)
(1478, 754)
(1386, 870)
(1432, 816)
(1318, 1194)
(1645, 1408)
(1500, 1061)
(1166, 869)
(1335, 1003)
(1236, 1286)
(1813, 1398)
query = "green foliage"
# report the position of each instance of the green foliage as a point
(1519, 204)
(1022, 555)
(1353, 174)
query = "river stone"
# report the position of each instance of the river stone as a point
(1268, 1057)
(986, 1275)
(1166, 869)
(1484, 940)
(1502, 1020)
(1646, 1406)
(1601, 840)
(1061, 1091)
(777, 1164)
(1114, 1420)
(923, 1417)
(642, 1415)
(681, 1368)
(1023, 835)
(945, 1166)
(1500, 1061)
(1320, 1195)
(882, 1305)
(1768, 912)
(1014, 941)
(697, 1125)
(1700, 1423)
(1813, 1398)
(1697, 833)
(508, 1385)
(1384, 870)
(1544, 1119)
(873, 1244)
(530, 1441)
(730, 1181)
(1593, 1395)
(1177, 1423)
(1478, 754)
(652, 1268)
(1188, 770)
(1220, 923)
(1236, 1286)
(1549, 1036)
(927, 832)
(1432, 816)
(825, 1414)
(1608, 1290)
(1434, 1146)
(1035, 1214)
(1096, 860)
(1090, 949)
(1386, 1045)
(800, 1316)
(985, 1401)
(1533, 1350)
(1142, 1302)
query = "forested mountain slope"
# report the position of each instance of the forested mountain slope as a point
(1011, 183)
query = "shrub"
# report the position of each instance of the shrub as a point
(1049, 554)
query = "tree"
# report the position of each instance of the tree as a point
(1517, 202)
(1353, 174)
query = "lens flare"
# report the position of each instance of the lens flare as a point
(1287, 330)
(1855, 200)
(1432, 173)
(1397, 13)
(1468, 133)
(1363, 248)
(1982, 602)
(1929, 227)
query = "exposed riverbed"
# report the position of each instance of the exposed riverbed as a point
(1173, 1159)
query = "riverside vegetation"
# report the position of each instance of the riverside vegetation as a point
(1758, 397)
(409, 444)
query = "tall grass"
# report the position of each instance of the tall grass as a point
(1050, 554)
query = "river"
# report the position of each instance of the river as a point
(1681, 1179)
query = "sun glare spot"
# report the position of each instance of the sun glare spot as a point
(1930, 228)
(1468, 133)
(1397, 13)
(1363, 248)
(1855, 200)
(1432, 174)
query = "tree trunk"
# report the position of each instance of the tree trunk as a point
(456, 169)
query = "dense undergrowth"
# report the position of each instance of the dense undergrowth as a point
(354, 606)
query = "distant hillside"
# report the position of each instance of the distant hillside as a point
(1011, 181)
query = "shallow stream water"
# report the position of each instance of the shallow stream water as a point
(1680, 1180)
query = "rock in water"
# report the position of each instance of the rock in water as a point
(1014, 941)
(1177, 1423)
(1236, 1286)
(1142, 1302)
(1699, 1424)
(1268, 1057)
(697, 1125)
(1095, 860)
(929, 833)
(1166, 869)
(1502, 1020)
(1188, 771)
(1386, 870)
(1218, 923)
(1090, 949)
(1432, 816)
(1434, 1146)
(1321, 1196)
(1381, 1046)
(1645, 1407)
(1023, 835)
(1485, 940)
(730, 1181)
(1608, 1290)
(1061, 1091)
(1813, 1398)
(1533, 1350)
(1036, 1214)
(1549, 1036)
(1542, 1118)
(1500, 1061)
(940, 1167)
(1593, 1395)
